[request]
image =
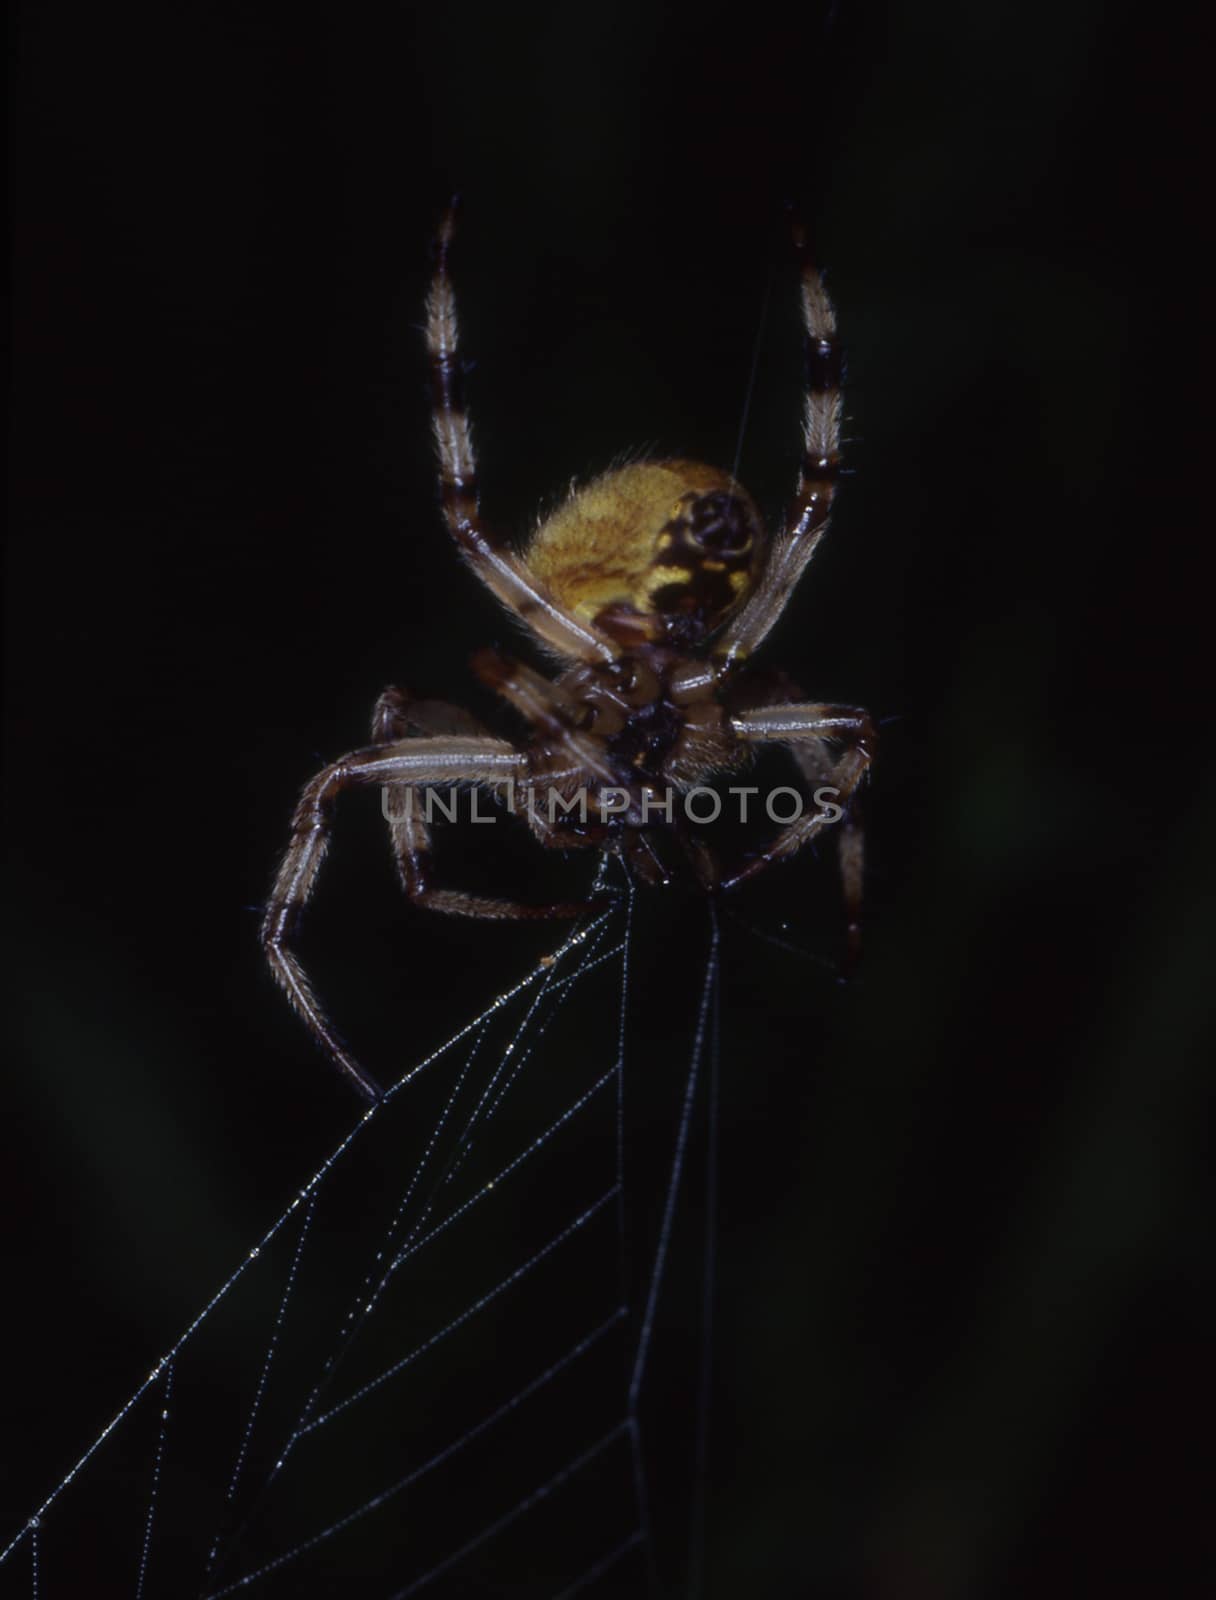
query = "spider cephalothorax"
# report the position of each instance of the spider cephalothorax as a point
(650, 587)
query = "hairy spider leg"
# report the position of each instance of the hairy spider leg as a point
(411, 763)
(807, 518)
(548, 707)
(818, 764)
(545, 704)
(397, 715)
(490, 558)
(806, 730)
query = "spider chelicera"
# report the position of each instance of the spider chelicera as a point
(650, 588)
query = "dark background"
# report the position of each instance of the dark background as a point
(962, 1343)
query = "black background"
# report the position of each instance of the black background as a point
(962, 1343)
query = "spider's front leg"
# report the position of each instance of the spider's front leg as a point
(489, 555)
(809, 730)
(806, 521)
(413, 762)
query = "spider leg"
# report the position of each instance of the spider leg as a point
(503, 573)
(807, 519)
(807, 729)
(410, 836)
(412, 762)
(397, 715)
(547, 707)
(817, 764)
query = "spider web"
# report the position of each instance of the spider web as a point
(430, 1374)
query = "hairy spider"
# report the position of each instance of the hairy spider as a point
(650, 588)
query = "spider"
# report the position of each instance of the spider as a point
(649, 588)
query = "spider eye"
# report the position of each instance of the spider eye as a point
(719, 523)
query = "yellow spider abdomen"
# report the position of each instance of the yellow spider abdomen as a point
(656, 550)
